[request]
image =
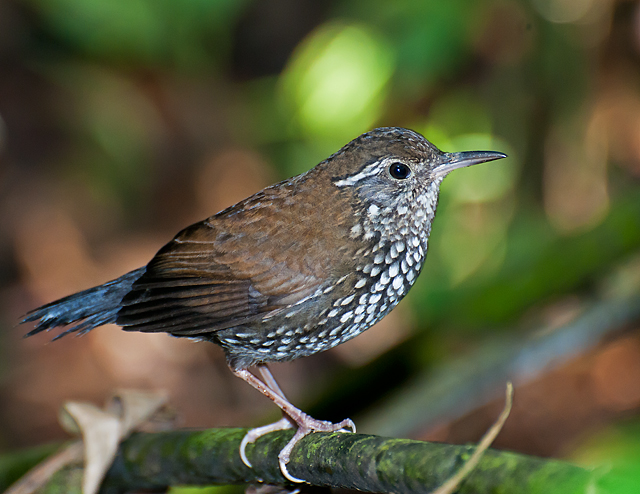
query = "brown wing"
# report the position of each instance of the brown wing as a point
(245, 263)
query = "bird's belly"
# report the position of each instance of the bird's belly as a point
(282, 339)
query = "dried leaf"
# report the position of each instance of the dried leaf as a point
(102, 431)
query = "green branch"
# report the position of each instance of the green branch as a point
(355, 461)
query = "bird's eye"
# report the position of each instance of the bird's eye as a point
(399, 171)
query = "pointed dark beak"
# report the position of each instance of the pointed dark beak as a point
(451, 161)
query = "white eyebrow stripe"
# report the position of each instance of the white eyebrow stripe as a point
(367, 171)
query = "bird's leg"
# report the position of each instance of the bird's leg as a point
(269, 380)
(306, 424)
(257, 432)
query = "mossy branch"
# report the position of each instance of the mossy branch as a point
(356, 461)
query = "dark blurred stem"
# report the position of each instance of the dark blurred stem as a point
(470, 382)
(355, 461)
(39, 475)
(15, 465)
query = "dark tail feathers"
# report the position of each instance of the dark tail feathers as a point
(94, 307)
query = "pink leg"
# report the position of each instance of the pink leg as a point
(306, 424)
(283, 423)
(269, 380)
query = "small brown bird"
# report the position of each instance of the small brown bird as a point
(293, 270)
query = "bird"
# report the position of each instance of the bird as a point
(295, 269)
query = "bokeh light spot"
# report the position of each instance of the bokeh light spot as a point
(563, 11)
(336, 81)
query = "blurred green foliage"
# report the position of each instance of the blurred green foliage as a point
(615, 453)
(185, 35)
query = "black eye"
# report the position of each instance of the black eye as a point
(399, 171)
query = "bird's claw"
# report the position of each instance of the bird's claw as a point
(254, 434)
(307, 425)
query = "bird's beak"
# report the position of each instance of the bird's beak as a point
(451, 161)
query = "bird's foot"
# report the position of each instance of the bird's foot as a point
(254, 434)
(308, 425)
(292, 416)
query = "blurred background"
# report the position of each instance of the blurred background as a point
(123, 121)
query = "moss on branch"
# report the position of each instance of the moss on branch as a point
(356, 461)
